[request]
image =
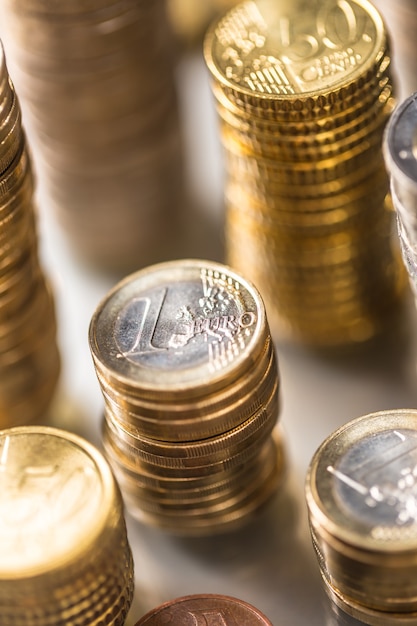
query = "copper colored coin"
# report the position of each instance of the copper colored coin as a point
(199, 610)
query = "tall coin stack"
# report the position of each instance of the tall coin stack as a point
(29, 356)
(401, 161)
(303, 92)
(64, 558)
(188, 371)
(361, 492)
(96, 82)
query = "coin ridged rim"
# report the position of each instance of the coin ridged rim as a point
(310, 99)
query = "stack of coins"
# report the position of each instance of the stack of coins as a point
(96, 82)
(188, 371)
(29, 357)
(401, 160)
(192, 610)
(361, 493)
(64, 558)
(303, 94)
(401, 19)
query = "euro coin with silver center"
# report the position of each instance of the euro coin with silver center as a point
(189, 375)
(361, 495)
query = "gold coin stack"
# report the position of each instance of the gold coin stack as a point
(303, 93)
(29, 357)
(401, 161)
(361, 492)
(64, 558)
(188, 371)
(96, 82)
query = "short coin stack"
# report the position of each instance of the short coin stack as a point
(29, 357)
(183, 354)
(96, 82)
(190, 610)
(303, 93)
(64, 558)
(361, 493)
(401, 161)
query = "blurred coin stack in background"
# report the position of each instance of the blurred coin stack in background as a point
(188, 371)
(361, 492)
(29, 356)
(401, 19)
(303, 95)
(64, 557)
(400, 151)
(96, 82)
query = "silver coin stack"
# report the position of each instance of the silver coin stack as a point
(96, 81)
(400, 152)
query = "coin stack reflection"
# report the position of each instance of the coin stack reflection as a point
(29, 357)
(303, 94)
(96, 82)
(195, 609)
(183, 354)
(64, 558)
(361, 492)
(401, 160)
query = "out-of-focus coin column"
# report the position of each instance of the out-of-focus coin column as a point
(188, 371)
(303, 94)
(401, 19)
(400, 151)
(64, 557)
(361, 492)
(29, 356)
(96, 82)
(195, 609)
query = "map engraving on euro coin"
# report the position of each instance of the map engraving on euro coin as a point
(205, 610)
(266, 48)
(376, 481)
(186, 323)
(50, 489)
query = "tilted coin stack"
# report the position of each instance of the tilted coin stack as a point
(29, 355)
(361, 491)
(96, 82)
(303, 93)
(401, 161)
(184, 358)
(65, 558)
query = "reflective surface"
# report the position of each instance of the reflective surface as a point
(270, 563)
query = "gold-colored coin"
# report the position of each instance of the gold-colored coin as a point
(296, 56)
(63, 537)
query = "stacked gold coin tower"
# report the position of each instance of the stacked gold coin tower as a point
(183, 354)
(361, 493)
(96, 82)
(29, 358)
(64, 558)
(303, 92)
(401, 161)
